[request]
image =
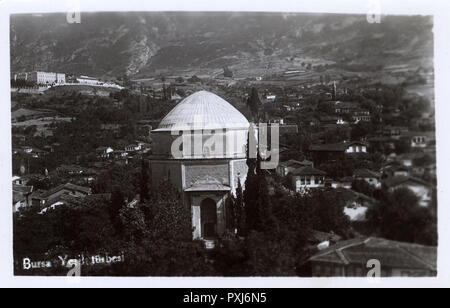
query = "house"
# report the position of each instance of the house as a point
(21, 196)
(287, 167)
(133, 148)
(307, 178)
(401, 171)
(120, 154)
(331, 152)
(104, 152)
(85, 80)
(45, 198)
(395, 132)
(361, 115)
(86, 175)
(407, 159)
(271, 98)
(371, 177)
(345, 107)
(421, 139)
(324, 120)
(350, 259)
(422, 189)
(341, 121)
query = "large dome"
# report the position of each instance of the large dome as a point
(203, 110)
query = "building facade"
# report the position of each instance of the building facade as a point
(42, 78)
(85, 80)
(308, 178)
(47, 78)
(200, 147)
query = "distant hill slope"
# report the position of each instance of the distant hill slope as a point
(140, 44)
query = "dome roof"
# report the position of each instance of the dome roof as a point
(203, 110)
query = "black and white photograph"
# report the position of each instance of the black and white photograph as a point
(222, 144)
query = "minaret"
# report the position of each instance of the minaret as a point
(334, 91)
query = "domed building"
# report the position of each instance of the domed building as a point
(200, 147)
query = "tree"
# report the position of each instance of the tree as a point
(399, 217)
(254, 103)
(363, 187)
(327, 208)
(144, 180)
(258, 208)
(360, 131)
(240, 209)
(230, 214)
(402, 146)
(116, 204)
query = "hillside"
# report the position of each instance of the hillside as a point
(145, 44)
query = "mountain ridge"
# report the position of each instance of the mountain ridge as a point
(142, 44)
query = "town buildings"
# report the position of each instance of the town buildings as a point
(42, 78)
(43, 199)
(90, 81)
(370, 177)
(330, 152)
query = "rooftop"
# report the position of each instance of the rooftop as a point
(366, 173)
(203, 110)
(335, 147)
(390, 253)
(68, 186)
(399, 180)
(308, 171)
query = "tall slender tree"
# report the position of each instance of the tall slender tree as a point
(258, 207)
(254, 104)
(144, 181)
(240, 209)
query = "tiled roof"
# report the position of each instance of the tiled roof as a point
(68, 186)
(366, 173)
(336, 147)
(399, 180)
(390, 253)
(429, 134)
(319, 237)
(308, 171)
(292, 163)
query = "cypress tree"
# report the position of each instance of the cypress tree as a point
(239, 209)
(144, 181)
(254, 103)
(258, 207)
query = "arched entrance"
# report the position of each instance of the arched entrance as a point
(208, 214)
